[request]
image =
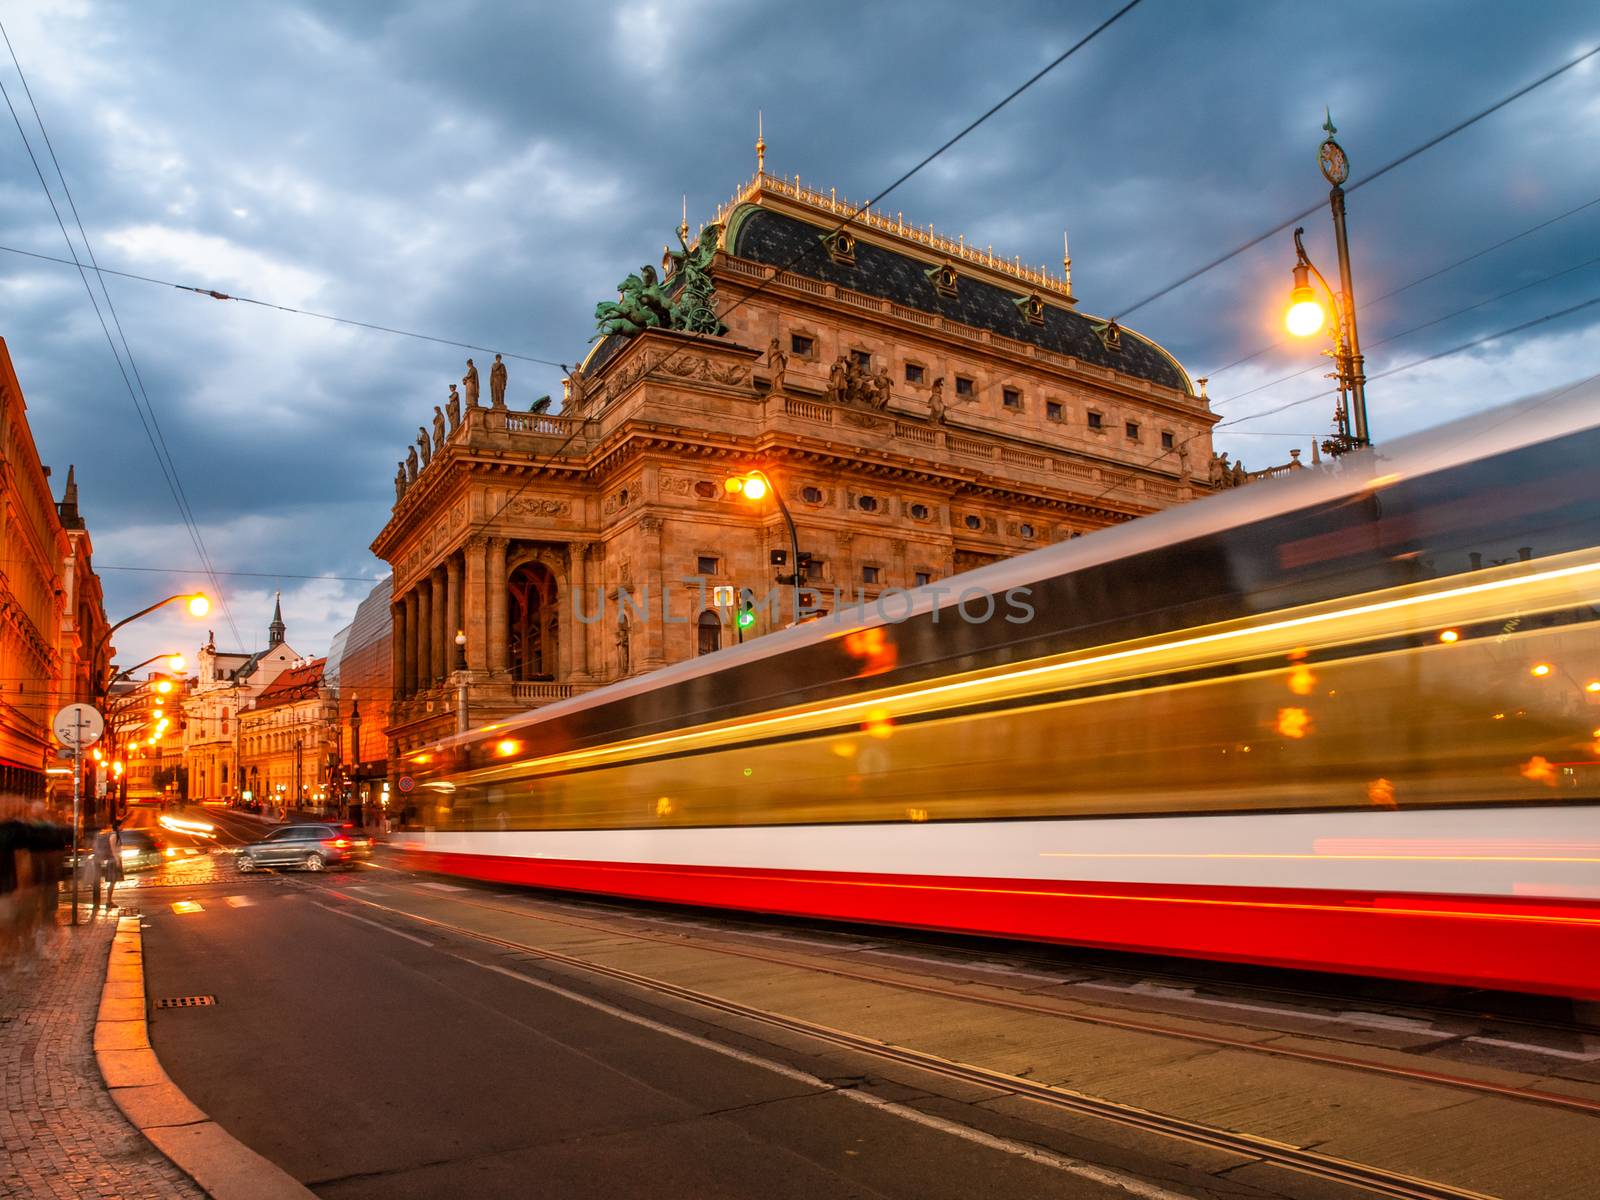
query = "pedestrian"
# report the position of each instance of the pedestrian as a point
(106, 864)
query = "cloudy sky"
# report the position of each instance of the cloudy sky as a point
(485, 172)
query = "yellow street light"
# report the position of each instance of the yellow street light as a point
(1305, 316)
(163, 686)
(199, 606)
(176, 664)
(1592, 686)
(754, 485)
(751, 486)
(1539, 670)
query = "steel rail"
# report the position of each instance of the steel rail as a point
(1377, 1180)
(803, 962)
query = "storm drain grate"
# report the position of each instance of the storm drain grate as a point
(186, 1002)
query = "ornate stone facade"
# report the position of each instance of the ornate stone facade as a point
(286, 739)
(53, 624)
(923, 412)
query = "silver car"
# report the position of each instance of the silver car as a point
(311, 847)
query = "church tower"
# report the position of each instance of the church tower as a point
(275, 631)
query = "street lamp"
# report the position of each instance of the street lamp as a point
(197, 604)
(461, 681)
(1306, 317)
(754, 484)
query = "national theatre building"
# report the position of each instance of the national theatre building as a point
(922, 406)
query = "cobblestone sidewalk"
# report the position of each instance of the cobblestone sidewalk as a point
(61, 1135)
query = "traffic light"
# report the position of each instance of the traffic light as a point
(747, 611)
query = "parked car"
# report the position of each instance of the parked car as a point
(311, 847)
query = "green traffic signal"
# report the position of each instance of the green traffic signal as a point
(747, 618)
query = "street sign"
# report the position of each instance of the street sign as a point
(78, 725)
(407, 783)
(724, 597)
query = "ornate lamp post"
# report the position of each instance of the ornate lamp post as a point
(754, 484)
(1306, 316)
(197, 604)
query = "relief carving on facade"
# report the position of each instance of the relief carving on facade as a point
(863, 421)
(537, 507)
(674, 485)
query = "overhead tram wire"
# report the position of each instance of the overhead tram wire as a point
(1237, 396)
(301, 312)
(151, 428)
(1467, 345)
(1451, 266)
(813, 247)
(1360, 183)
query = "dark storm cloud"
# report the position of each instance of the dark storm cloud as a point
(488, 174)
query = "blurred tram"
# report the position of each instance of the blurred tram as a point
(1348, 721)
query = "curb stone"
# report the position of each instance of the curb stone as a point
(221, 1164)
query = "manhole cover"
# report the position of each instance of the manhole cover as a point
(186, 1002)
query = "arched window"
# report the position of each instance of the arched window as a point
(709, 628)
(534, 622)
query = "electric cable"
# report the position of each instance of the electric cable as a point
(1360, 183)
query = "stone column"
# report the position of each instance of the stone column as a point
(499, 628)
(409, 665)
(584, 599)
(452, 607)
(441, 644)
(423, 679)
(650, 636)
(397, 643)
(474, 603)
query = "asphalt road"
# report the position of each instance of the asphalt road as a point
(397, 1061)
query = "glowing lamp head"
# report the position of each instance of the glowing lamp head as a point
(175, 664)
(1539, 670)
(199, 606)
(506, 747)
(1305, 316)
(1592, 687)
(1448, 636)
(163, 686)
(755, 487)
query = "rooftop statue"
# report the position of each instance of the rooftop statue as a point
(453, 407)
(643, 303)
(469, 382)
(438, 426)
(400, 483)
(497, 383)
(424, 445)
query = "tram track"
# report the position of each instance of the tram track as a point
(1018, 1004)
(1299, 1159)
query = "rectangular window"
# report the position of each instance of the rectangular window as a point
(924, 578)
(1166, 440)
(813, 569)
(862, 359)
(800, 344)
(1132, 429)
(707, 565)
(871, 574)
(1095, 420)
(915, 374)
(964, 386)
(1011, 398)
(1052, 410)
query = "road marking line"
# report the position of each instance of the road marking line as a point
(410, 937)
(442, 887)
(187, 906)
(1070, 1166)
(238, 901)
(1574, 1055)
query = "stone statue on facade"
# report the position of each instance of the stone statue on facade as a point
(695, 309)
(880, 390)
(469, 383)
(1219, 476)
(1239, 473)
(777, 363)
(399, 482)
(411, 465)
(936, 408)
(425, 446)
(577, 384)
(839, 381)
(497, 384)
(623, 635)
(452, 406)
(438, 426)
(1183, 461)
